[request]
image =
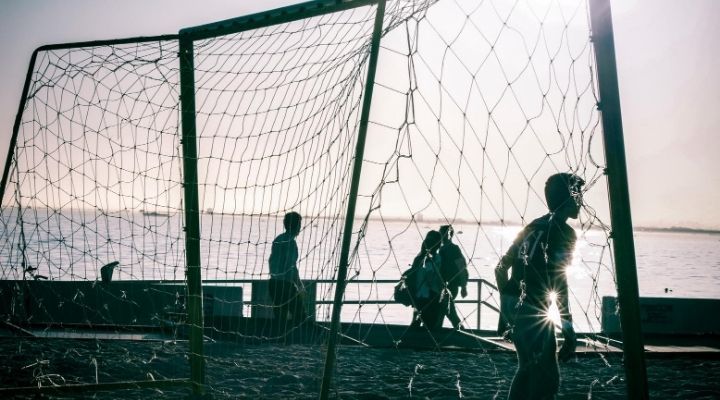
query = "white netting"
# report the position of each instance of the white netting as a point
(475, 104)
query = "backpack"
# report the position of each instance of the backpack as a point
(402, 294)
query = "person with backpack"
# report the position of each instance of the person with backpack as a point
(425, 284)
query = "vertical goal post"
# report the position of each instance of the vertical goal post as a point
(12, 160)
(618, 189)
(236, 25)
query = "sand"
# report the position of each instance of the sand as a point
(282, 372)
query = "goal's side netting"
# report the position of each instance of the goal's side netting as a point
(93, 195)
(474, 104)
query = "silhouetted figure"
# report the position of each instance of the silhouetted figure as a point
(286, 289)
(537, 260)
(426, 284)
(453, 269)
(106, 271)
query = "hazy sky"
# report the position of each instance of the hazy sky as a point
(668, 54)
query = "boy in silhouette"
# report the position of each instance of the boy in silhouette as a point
(286, 289)
(537, 261)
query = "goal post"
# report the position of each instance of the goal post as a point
(71, 106)
(619, 193)
(267, 19)
(192, 214)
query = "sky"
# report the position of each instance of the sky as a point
(668, 55)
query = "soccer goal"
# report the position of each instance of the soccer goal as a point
(148, 179)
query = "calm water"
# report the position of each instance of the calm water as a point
(73, 246)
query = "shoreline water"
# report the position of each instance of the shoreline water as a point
(165, 212)
(669, 264)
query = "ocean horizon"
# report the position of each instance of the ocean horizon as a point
(73, 246)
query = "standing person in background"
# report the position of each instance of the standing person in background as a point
(427, 284)
(285, 287)
(453, 269)
(537, 261)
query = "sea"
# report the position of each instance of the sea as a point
(150, 246)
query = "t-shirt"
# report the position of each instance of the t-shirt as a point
(537, 259)
(453, 267)
(283, 258)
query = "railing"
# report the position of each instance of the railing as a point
(479, 283)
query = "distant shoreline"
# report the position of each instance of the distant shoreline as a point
(677, 229)
(418, 219)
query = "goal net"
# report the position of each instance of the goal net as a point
(474, 104)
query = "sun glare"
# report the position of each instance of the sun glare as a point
(553, 313)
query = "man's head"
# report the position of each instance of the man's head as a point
(446, 231)
(563, 193)
(292, 223)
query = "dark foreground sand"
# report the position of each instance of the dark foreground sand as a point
(274, 371)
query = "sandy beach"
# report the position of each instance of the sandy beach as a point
(295, 372)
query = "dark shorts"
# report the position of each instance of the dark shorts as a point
(432, 310)
(538, 373)
(287, 300)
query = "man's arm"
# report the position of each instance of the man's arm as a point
(502, 271)
(504, 266)
(292, 260)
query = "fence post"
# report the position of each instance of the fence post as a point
(620, 217)
(192, 214)
(350, 215)
(479, 303)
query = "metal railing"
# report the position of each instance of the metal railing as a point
(478, 299)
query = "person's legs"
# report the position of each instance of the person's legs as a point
(452, 313)
(296, 304)
(435, 311)
(546, 381)
(520, 383)
(538, 374)
(508, 311)
(416, 320)
(275, 291)
(426, 312)
(519, 388)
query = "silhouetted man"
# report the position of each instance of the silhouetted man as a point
(285, 287)
(537, 261)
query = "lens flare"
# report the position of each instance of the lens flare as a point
(553, 313)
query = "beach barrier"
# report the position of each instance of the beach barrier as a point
(117, 304)
(667, 316)
(262, 305)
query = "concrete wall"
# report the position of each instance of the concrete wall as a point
(664, 315)
(112, 303)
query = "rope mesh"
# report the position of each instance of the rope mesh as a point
(475, 104)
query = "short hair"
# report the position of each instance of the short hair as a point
(447, 231)
(292, 221)
(560, 188)
(432, 241)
